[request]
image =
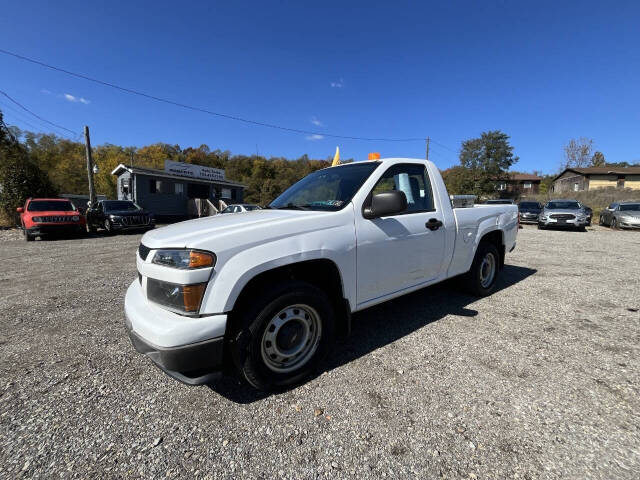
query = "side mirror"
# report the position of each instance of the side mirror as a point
(20, 210)
(386, 203)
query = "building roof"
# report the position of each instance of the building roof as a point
(154, 172)
(601, 171)
(525, 176)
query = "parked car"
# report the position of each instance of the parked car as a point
(529, 211)
(563, 214)
(621, 215)
(116, 215)
(500, 201)
(50, 216)
(240, 207)
(589, 212)
(288, 278)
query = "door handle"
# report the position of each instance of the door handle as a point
(433, 224)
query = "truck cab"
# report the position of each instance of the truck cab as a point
(266, 293)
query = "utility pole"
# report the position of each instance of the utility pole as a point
(87, 146)
(428, 140)
(131, 152)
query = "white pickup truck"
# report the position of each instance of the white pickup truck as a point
(266, 292)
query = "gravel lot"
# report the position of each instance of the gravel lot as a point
(541, 380)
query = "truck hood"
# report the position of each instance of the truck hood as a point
(231, 231)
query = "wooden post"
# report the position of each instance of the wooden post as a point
(87, 145)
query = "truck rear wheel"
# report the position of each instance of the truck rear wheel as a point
(284, 335)
(481, 278)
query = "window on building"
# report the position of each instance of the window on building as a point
(234, 194)
(501, 186)
(226, 193)
(155, 186)
(179, 188)
(527, 185)
(576, 187)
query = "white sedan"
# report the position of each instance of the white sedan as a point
(240, 207)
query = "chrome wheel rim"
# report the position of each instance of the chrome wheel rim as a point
(487, 270)
(291, 338)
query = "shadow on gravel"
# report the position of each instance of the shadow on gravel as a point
(383, 324)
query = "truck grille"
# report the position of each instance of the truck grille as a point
(143, 250)
(55, 219)
(562, 216)
(135, 220)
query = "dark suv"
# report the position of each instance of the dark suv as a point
(529, 211)
(115, 215)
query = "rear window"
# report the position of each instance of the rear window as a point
(50, 205)
(529, 205)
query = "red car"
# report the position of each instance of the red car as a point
(50, 216)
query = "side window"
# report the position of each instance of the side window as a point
(412, 180)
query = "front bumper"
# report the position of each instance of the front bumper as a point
(629, 225)
(188, 349)
(193, 364)
(55, 229)
(528, 219)
(552, 222)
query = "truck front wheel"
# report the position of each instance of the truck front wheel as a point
(481, 279)
(284, 335)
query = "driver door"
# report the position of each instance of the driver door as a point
(398, 252)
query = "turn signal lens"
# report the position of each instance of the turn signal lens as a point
(200, 259)
(184, 259)
(192, 295)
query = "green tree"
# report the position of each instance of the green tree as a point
(20, 177)
(598, 160)
(487, 160)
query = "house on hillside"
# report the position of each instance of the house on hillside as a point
(581, 179)
(180, 191)
(518, 185)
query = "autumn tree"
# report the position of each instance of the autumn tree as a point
(577, 153)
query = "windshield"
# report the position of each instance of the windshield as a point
(326, 189)
(630, 207)
(567, 205)
(533, 205)
(50, 206)
(119, 206)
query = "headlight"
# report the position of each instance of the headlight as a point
(75, 218)
(184, 259)
(543, 217)
(113, 217)
(36, 219)
(179, 298)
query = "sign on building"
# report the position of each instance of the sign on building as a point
(193, 171)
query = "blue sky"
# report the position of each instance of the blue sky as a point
(543, 72)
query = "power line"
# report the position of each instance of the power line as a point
(19, 115)
(35, 115)
(203, 110)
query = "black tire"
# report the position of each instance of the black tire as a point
(614, 223)
(91, 228)
(601, 222)
(540, 227)
(27, 236)
(250, 344)
(476, 279)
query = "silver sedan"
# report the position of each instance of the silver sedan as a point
(621, 215)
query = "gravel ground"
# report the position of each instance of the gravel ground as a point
(540, 380)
